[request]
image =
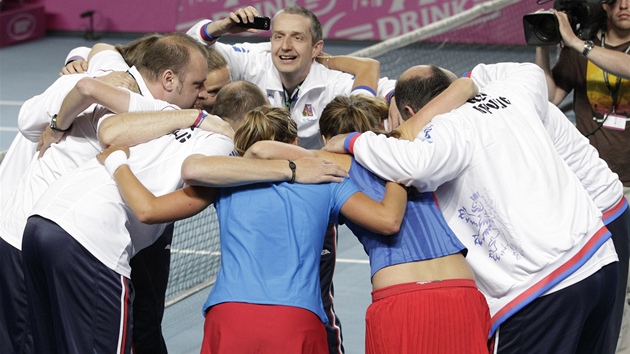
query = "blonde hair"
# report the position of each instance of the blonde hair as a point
(265, 123)
(356, 113)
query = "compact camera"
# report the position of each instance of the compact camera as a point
(260, 23)
(585, 17)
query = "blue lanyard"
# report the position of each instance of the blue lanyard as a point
(292, 97)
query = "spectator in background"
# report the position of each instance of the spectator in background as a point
(598, 72)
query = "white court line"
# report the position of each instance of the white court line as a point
(9, 129)
(356, 261)
(201, 253)
(11, 103)
(216, 253)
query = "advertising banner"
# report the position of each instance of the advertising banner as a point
(368, 20)
(376, 20)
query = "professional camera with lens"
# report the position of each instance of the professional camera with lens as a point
(585, 17)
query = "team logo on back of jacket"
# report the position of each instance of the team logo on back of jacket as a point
(486, 104)
(182, 135)
(491, 233)
(482, 103)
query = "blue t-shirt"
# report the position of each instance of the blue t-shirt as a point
(424, 234)
(272, 237)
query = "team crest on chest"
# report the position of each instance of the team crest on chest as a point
(308, 110)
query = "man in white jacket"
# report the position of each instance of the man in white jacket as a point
(178, 79)
(286, 70)
(537, 244)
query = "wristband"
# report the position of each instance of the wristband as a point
(363, 90)
(292, 167)
(115, 160)
(348, 144)
(205, 36)
(588, 46)
(202, 115)
(74, 58)
(389, 96)
(53, 125)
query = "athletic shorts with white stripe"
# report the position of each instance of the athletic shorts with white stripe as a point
(76, 303)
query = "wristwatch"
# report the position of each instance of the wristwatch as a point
(588, 45)
(53, 125)
(292, 167)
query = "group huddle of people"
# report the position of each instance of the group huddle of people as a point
(491, 223)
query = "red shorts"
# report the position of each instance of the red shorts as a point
(449, 316)
(234, 327)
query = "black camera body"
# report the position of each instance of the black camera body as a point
(260, 23)
(585, 17)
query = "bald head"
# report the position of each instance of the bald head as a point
(418, 85)
(237, 98)
(426, 71)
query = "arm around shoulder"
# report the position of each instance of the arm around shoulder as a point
(382, 217)
(454, 96)
(148, 208)
(365, 70)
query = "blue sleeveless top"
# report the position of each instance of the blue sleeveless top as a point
(272, 235)
(424, 234)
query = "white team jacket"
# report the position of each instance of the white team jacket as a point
(86, 202)
(601, 183)
(79, 145)
(253, 63)
(524, 216)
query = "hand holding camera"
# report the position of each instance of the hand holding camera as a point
(582, 17)
(244, 19)
(259, 23)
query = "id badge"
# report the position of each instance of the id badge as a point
(615, 122)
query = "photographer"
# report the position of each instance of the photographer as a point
(598, 72)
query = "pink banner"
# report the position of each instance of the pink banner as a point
(378, 19)
(341, 19)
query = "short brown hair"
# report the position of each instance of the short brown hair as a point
(265, 123)
(172, 51)
(316, 26)
(357, 113)
(216, 60)
(133, 52)
(237, 98)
